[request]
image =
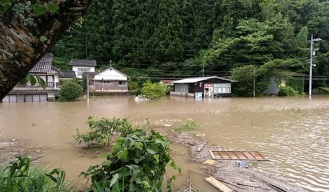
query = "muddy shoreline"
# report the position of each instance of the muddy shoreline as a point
(240, 179)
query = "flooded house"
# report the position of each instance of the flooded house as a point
(26, 92)
(79, 66)
(203, 87)
(108, 80)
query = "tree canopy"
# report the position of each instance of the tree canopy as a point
(174, 38)
(163, 38)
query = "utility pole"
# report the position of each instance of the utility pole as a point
(311, 63)
(87, 87)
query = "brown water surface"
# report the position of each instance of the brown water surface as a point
(291, 132)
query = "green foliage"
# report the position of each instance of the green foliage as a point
(287, 91)
(101, 131)
(154, 90)
(322, 91)
(34, 80)
(216, 36)
(296, 84)
(137, 163)
(20, 176)
(70, 91)
(188, 125)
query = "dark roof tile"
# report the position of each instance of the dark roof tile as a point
(83, 62)
(67, 74)
(44, 65)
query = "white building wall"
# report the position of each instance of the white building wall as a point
(86, 69)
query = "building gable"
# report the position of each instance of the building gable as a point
(111, 74)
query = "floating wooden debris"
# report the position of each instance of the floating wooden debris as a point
(238, 155)
(7, 144)
(219, 185)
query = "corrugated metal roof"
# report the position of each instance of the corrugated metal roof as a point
(83, 62)
(197, 79)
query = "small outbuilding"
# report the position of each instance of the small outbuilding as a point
(79, 66)
(66, 75)
(207, 87)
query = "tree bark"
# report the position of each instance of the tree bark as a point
(22, 46)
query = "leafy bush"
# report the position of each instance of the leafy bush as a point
(287, 91)
(137, 163)
(70, 91)
(100, 132)
(154, 90)
(19, 176)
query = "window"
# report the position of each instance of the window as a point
(222, 88)
(122, 83)
(82, 70)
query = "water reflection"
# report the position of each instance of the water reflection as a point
(291, 132)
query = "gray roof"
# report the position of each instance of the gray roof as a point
(67, 74)
(45, 65)
(83, 62)
(197, 79)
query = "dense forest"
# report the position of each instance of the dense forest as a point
(183, 38)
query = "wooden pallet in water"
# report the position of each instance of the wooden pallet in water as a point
(237, 155)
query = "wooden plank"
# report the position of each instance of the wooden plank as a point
(232, 155)
(219, 185)
(241, 155)
(256, 155)
(248, 155)
(224, 155)
(238, 155)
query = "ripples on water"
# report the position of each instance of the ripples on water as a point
(291, 132)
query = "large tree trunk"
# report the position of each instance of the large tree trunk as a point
(22, 46)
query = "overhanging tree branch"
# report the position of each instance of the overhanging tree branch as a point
(23, 44)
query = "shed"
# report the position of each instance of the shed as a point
(207, 87)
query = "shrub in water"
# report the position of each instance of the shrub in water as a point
(188, 125)
(287, 91)
(137, 163)
(70, 91)
(154, 90)
(101, 131)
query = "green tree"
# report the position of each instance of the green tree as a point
(154, 90)
(70, 91)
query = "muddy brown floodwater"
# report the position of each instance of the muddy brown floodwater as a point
(291, 132)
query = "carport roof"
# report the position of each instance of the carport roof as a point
(197, 79)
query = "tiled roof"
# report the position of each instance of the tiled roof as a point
(31, 90)
(45, 65)
(83, 62)
(67, 74)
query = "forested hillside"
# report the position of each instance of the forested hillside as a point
(179, 38)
